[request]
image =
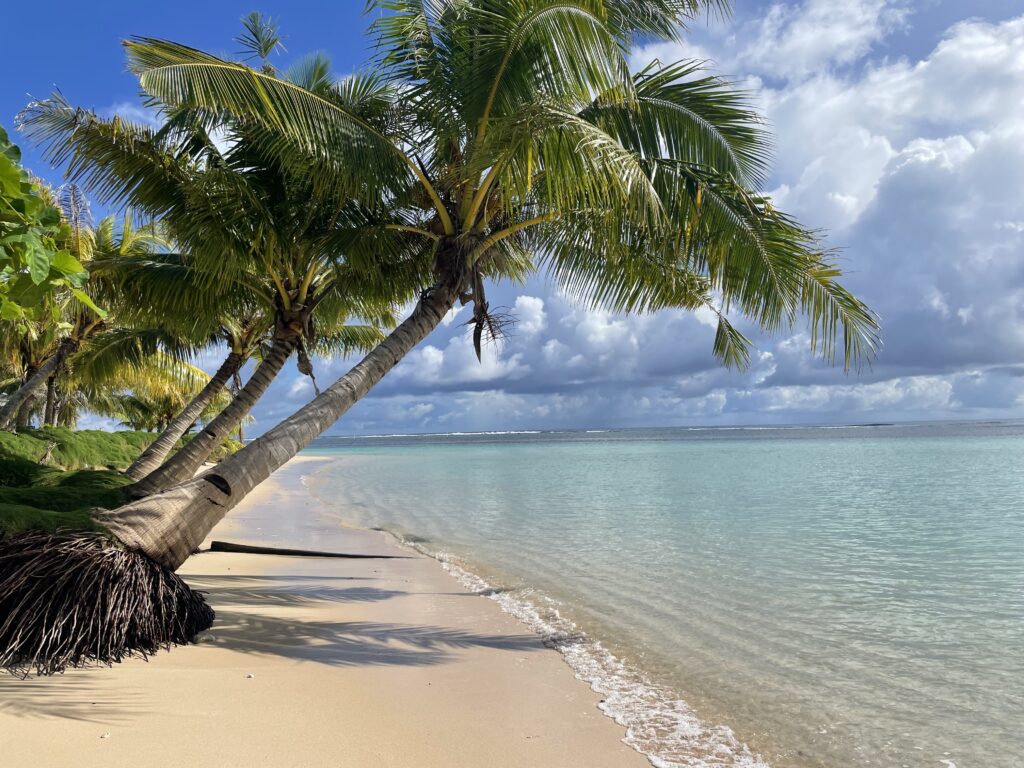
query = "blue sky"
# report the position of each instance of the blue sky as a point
(899, 128)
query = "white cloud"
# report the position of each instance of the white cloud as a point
(920, 394)
(457, 364)
(420, 411)
(838, 132)
(451, 316)
(791, 40)
(133, 112)
(530, 316)
(300, 389)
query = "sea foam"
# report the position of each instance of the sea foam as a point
(658, 723)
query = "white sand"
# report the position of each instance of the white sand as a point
(316, 662)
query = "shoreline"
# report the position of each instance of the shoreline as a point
(659, 724)
(316, 662)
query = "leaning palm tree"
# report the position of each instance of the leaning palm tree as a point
(25, 348)
(326, 327)
(167, 290)
(143, 362)
(144, 391)
(524, 143)
(35, 346)
(248, 226)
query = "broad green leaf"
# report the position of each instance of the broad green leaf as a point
(84, 297)
(9, 310)
(64, 262)
(38, 258)
(24, 292)
(10, 177)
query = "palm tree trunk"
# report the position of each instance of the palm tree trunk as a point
(190, 458)
(169, 526)
(154, 455)
(51, 401)
(13, 407)
(241, 424)
(24, 419)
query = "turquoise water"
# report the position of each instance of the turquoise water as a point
(784, 597)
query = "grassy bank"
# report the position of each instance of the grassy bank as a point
(85, 449)
(81, 473)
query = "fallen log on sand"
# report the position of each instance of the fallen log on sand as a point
(226, 546)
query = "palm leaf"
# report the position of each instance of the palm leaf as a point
(362, 160)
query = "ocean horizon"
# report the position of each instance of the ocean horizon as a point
(828, 595)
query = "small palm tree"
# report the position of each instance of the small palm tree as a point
(145, 371)
(146, 396)
(250, 323)
(72, 316)
(166, 290)
(515, 139)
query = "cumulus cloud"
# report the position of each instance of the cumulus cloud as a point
(795, 40)
(529, 311)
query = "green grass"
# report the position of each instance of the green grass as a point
(81, 475)
(75, 449)
(54, 499)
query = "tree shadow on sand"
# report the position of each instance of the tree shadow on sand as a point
(240, 627)
(71, 696)
(351, 643)
(213, 581)
(294, 595)
(81, 695)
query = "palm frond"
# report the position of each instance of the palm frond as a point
(312, 72)
(115, 160)
(361, 159)
(731, 347)
(680, 113)
(347, 340)
(260, 37)
(122, 354)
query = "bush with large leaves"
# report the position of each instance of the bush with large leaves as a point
(32, 264)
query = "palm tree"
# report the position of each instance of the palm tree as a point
(248, 225)
(36, 340)
(72, 316)
(252, 327)
(165, 289)
(145, 394)
(517, 139)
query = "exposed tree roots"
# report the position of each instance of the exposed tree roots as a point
(70, 599)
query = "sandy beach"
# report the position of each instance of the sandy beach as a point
(318, 662)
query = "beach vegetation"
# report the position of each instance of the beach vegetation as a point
(32, 262)
(266, 251)
(54, 477)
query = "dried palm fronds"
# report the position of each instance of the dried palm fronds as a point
(69, 599)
